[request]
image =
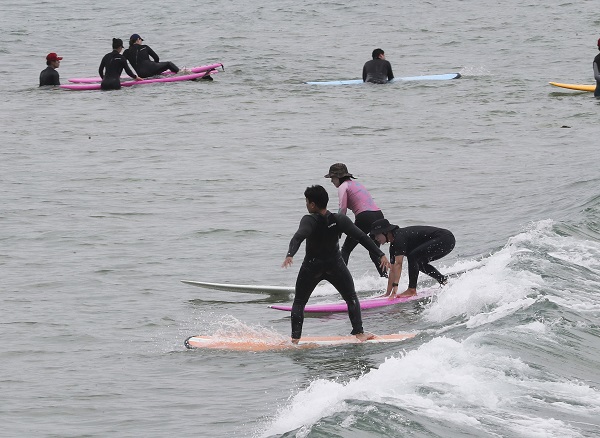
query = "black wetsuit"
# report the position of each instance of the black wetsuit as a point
(363, 221)
(114, 63)
(323, 261)
(139, 55)
(597, 62)
(49, 76)
(421, 245)
(377, 71)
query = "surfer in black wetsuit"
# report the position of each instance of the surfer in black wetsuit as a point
(420, 244)
(596, 66)
(377, 70)
(112, 66)
(49, 76)
(323, 261)
(139, 55)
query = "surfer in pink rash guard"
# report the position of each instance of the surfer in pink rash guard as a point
(354, 196)
(322, 229)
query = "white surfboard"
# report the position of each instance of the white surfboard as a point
(262, 344)
(252, 288)
(283, 290)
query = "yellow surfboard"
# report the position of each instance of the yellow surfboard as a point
(578, 87)
(261, 344)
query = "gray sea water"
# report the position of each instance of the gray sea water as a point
(109, 199)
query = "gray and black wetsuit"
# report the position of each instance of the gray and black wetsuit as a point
(377, 71)
(323, 261)
(139, 56)
(596, 66)
(49, 76)
(110, 70)
(421, 245)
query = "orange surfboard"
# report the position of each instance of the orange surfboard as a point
(262, 344)
(578, 87)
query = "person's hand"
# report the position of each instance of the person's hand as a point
(287, 262)
(137, 78)
(385, 263)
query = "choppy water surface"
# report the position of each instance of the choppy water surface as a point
(110, 199)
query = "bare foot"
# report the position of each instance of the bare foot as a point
(362, 337)
(410, 292)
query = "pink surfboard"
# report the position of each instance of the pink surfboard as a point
(365, 303)
(171, 78)
(198, 69)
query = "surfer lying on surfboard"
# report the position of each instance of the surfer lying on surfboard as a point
(420, 244)
(323, 260)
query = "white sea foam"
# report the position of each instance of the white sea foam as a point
(486, 293)
(464, 383)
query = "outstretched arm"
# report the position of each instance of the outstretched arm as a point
(307, 224)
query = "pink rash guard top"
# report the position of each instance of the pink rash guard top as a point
(354, 196)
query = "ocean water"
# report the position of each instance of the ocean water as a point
(110, 199)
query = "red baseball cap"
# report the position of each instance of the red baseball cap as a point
(53, 57)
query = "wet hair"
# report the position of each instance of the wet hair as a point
(376, 53)
(117, 43)
(318, 195)
(346, 178)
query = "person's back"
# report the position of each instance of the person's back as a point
(378, 70)
(323, 242)
(137, 54)
(112, 66)
(354, 195)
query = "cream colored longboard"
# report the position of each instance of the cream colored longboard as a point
(261, 344)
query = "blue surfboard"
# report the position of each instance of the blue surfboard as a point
(443, 77)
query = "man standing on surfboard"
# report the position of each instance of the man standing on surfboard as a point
(596, 66)
(377, 70)
(420, 245)
(354, 196)
(323, 261)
